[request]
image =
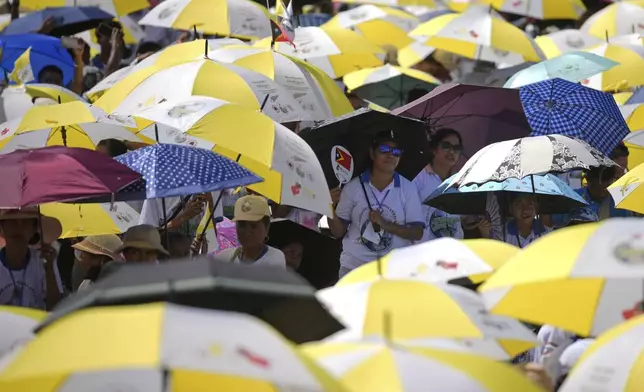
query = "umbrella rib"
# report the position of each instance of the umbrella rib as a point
(452, 103)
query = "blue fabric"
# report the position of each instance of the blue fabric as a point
(312, 20)
(45, 50)
(637, 97)
(594, 206)
(63, 16)
(366, 177)
(174, 170)
(557, 106)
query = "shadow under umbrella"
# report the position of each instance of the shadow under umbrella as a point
(278, 297)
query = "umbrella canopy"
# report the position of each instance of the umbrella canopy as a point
(560, 107)
(623, 17)
(571, 66)
(601, 261)
(564, 41)
(540, 9)
(238, 18)
(628, 192)
(43, 51)
(82, 220)
(67, 20)
(174, 170)
(553, 195)
(32, 177)
(337, 52)
(114, 7)
(389, 86)
(18, 324)
(271, 294)
(355, 132)
(529, 156)
(634, 116)
(147, 347)
(482, 115)
(53, 92)
(626, 75)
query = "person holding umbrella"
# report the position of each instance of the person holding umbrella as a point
(379, 210)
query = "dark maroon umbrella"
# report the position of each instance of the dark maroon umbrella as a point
(482, 115)
(54, 174)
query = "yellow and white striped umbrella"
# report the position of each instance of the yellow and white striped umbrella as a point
(52, 92)
(439, 260)
(82, 220)
(411, 307)
(478, 35)
(461, 5)
(623, 76)
(414, 53)
(336, 52)
(18, 324)
(621, 98)
(620, 18)
(564, 41)
(541, 9)
(634, 115)
(206, 78)
(161, 347)
(380, 25)
(628, 192)
(384, 368)
(318, 94)
(584, 279)
(613, 362)
(628, 39)
(395, 3)
(114, 7)
(73, 124)
(292, 173)
(237, 18)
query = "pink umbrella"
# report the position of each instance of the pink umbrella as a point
(226, 235)
(58, 174)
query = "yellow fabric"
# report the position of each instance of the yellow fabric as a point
(621, 98)
(503, 36)
(552, 9)
(635, 120)
(33, 314)
(22, 72)
(122, 7)
(625, 75)
(636, 155)
(635, 199)
(548, 46)
(52, 92)
(399, 3)
(383, 33)
(606, 24)
(359, 78)
(82, 220)
(50, 116)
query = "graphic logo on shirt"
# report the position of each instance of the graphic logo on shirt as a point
(386, 239)
(637, 310)
(631, 251)
(442, 224)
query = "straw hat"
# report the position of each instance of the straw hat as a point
(143, 237)
(51, 227)
(106, 245)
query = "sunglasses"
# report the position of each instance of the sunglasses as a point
(387, 149)
(456, 148)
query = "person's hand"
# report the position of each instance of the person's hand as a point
(48, 253)
(485, 228)
(335, 194)
(193, 208)
(537, 374)
(47, 26)
(376, 218)
(79, 50)
(116, 40)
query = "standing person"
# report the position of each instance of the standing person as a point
(110, 38)
(24, 279)
(620, 156)
(379, 210)
(94, 252)
(252, 220)
(445, 148)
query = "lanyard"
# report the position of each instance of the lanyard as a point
(379, 202)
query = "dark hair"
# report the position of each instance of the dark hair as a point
(266, 221)
(437, 137)
(115, 147)
(111, 24)
(148, 47)
(50, 68)
(600, 173)
(620, 151)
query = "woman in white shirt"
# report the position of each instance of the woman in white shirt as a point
(252, 220)
(379, 210)
(445, 147)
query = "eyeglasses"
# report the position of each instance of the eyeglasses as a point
(387, 149)
(456, 148)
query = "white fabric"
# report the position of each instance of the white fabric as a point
(438, 223)
(573, 353)
(31, 280)
(16, 329)
(400, 205)
(535, 8)
(628, 18)
(14, 103)
(273, 257)
(522, 242)
(310, 42)
(569, 40)
(368, 12)
(596, 81)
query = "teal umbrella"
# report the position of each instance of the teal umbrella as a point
(572, 66)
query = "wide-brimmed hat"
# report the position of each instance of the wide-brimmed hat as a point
(144, 237)
(251, 208)
(51, 227)
(106, 245)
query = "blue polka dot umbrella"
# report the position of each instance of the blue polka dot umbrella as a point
(557, 106)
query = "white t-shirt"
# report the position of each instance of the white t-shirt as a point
(398, 203)
(31, 283)
(438, 224)
(513, 237)
(272, 256)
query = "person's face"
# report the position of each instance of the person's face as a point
(18, 231)
(103, 150)
(134, 255)
(179, 248)
(386, 156)
(448, 151)
(293, 254)
(524, 208)
(51, 77)
(89, 260)
(251, 233)
(623, 162)
(104, 40)
(598, 186)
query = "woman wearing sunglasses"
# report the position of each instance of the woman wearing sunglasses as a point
(379, 210)
(445, 148)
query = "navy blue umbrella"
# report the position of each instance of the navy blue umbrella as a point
(557, 106)
(67, 20)
(45, 51)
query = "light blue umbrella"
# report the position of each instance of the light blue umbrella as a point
(571, 66)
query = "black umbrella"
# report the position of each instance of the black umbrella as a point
(355, 131)
(321, 258)
(280, 298)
